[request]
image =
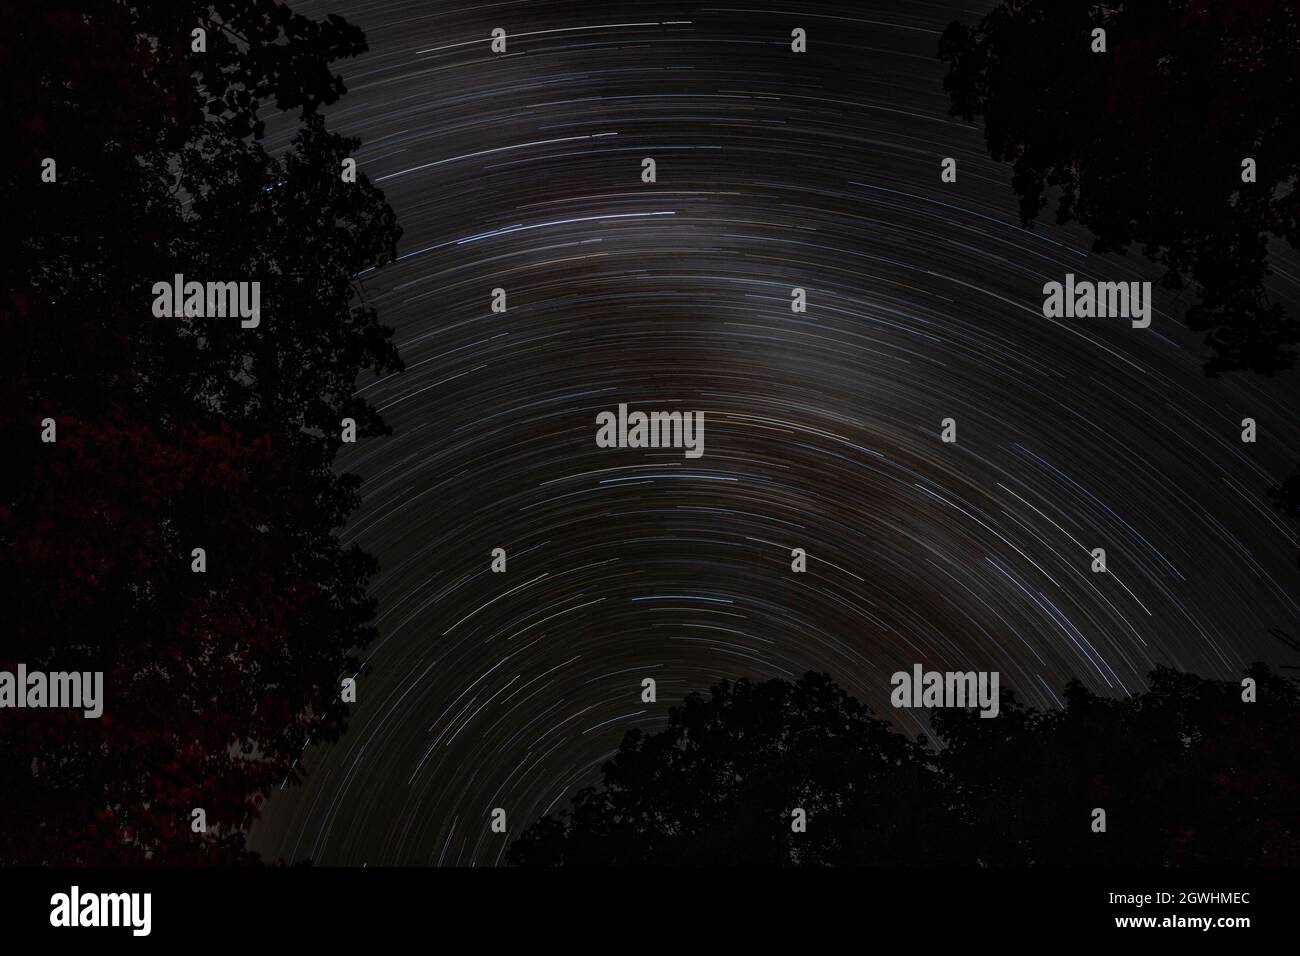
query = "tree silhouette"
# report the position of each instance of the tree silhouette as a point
(1144, 144)
(175, 434)
(1187, 772)
(720, 784)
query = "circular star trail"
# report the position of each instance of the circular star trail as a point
(775, 170)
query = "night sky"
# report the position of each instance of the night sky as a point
(775, 170)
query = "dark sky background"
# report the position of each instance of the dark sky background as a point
(775, 170)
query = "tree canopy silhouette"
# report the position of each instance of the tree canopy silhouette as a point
(1144, 144)
(175, 434)
(1187, 772)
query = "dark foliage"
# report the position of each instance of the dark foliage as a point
(176, 433)
(1144, 144)
(1187, 772)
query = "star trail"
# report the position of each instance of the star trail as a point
(775, 171)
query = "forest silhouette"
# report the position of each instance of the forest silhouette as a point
(175, 434)
(1187, 772)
